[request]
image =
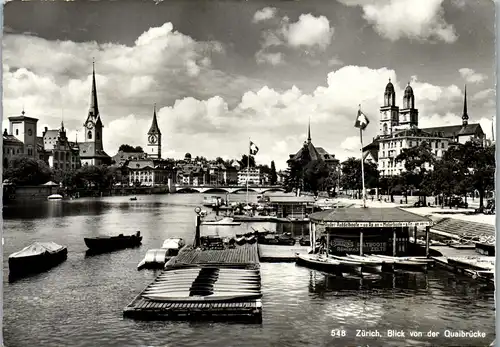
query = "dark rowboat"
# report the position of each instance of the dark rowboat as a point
(108, 243)
(37, 257)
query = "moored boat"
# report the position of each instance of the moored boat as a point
(55, 197)
(224, 221)
(36, 258)
(402, 263)
(108, 243)
(318, 262)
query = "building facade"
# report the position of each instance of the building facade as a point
(91, 149)
(251, 174)
(150, 172)
(398, 130)
(60, 153)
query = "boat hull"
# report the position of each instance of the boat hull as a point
(104, 244)
(326, 264)
(24, 266)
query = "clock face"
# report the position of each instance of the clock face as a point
(152, 139)
(89, 124)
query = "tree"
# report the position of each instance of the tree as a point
(475, 167)
(416, 161)
(351, 174)
(130, 149)
(219, 160)
(274, 176)
(245, 161)
(28, 171)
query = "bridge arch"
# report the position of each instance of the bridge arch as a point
(217, 190)
(187, 190)
(272, 190)
(244, 190)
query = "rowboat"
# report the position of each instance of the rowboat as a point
(357, 265)
(107, 243)
(314, 261)
(185, 296)
(484, 274)
(402, 263)
(420, 259)
(35, 258)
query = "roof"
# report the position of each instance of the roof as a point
(87, 150)
(22, 118)
(154, 129)
(455, 130)
(290, 199)
(369, 217)
(372, 152)
(316, 153)
(12, 140)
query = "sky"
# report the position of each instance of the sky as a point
(224, 72)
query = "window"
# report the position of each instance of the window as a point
(97, 136)
(17, 131)
(89, 135)
(442, 144)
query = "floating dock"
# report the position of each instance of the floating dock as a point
(248, 310)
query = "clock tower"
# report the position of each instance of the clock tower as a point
(154, 138)
(92, 128)
(389, 113)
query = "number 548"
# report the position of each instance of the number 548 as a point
(337, 333)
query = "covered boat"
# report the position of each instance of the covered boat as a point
(108, 243)
(35, 258)
(55, 197)
(156, 258)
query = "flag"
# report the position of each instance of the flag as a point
(253, 148)
(361, 121)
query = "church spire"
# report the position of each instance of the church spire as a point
(309, 131)
(154, 129)
(94, 109)
(465, 116)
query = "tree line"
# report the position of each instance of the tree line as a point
(463, 169)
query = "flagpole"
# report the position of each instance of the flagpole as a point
(248, 166)
(362, 164)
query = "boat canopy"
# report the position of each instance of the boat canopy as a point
(37, 248)
(369, 218)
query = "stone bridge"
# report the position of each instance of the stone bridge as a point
(227, 189)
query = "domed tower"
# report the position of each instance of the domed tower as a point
(389, 112)
(408, 115)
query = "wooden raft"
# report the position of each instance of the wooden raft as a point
(245, 256)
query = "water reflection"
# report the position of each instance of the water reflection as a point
(80, 302)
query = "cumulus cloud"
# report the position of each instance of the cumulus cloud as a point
(211, 114)
(308, 32)
(470, 76)
(264, 14)
(395, 19)
(269, 58)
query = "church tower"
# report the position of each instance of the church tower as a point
(92, 128)
(408, 115)
(389, 112)
(154, 138)
(465, 116)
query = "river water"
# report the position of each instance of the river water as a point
(80, 302)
